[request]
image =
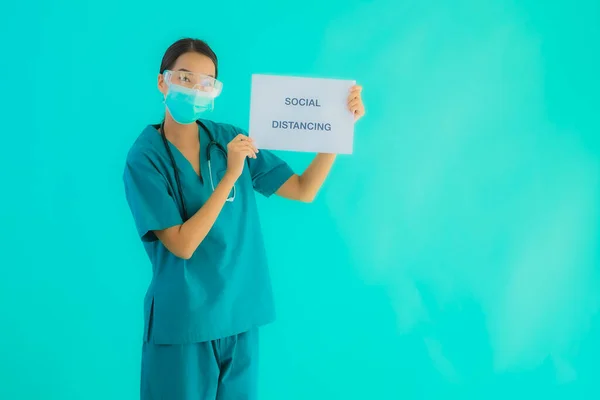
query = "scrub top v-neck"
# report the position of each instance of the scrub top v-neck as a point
(224, 289)
(190, 180)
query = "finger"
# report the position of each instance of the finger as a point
(241, 138)
(357, 109)
(353, 104)
(244, 147)
(353, 97)
(360, 107)
(247, 139)
(252, 149)
(355, 92)
(354, 101)
(253, 145)
(248, 153)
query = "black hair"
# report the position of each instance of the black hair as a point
(187, 45)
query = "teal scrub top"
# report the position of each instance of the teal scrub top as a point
(224, 289)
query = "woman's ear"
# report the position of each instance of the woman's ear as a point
(162, 85)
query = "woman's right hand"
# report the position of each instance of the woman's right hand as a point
(237, 150)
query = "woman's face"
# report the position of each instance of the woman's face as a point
(191, 62)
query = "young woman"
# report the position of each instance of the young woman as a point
(190, 184)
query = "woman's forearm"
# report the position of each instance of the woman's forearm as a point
(184, 239)
(315, 174)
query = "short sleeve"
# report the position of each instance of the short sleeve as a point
(269, 172)
(147, 193)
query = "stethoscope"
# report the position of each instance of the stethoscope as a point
(211, 143)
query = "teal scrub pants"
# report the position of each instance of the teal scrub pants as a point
(223, 369)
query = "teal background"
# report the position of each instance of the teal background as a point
(453, 255)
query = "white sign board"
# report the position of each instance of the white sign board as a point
(301, 114)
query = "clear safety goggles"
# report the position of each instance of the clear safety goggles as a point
(194, 81)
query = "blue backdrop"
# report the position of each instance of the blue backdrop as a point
(453, 255)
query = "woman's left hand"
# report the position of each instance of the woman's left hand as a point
(355, 103)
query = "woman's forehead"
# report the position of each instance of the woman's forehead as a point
(196, 63)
